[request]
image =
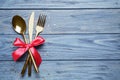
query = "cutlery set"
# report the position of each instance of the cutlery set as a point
(33, 57)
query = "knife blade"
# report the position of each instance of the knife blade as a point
(30, 27)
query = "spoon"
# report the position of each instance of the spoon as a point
(19, 26)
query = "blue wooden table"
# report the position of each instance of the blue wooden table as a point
(82, 39)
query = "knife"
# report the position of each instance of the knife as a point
(30, 29)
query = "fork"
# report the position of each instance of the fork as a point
(40, 24)
(39, 29)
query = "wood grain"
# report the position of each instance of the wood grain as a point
(60, 4)
(82, 39)
(62, 70)
(69, 47)
(67, 21)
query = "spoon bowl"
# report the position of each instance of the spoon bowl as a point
(19, 24)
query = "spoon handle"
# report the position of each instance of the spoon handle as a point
(29, 67)
(25, 65)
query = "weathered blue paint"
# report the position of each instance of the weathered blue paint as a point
(21, 4)
(82, 39)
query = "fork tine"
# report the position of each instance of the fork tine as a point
(38, 23)
(41, 20)
(44, 20)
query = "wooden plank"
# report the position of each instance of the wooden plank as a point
(60, 4)
(69, 47)
(62, 70)
(67, 21)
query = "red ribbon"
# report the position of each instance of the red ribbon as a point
(23, 47)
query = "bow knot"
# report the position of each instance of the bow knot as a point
(23, 47)
(28, 46)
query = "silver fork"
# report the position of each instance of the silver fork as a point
(40, 24)
(39, 29)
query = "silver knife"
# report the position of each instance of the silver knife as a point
(30, 29)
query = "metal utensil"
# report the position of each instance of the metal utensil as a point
(19, 26)
(30, 29)
(40, 23)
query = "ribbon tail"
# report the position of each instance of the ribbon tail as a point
(36, 56)
(18, 53)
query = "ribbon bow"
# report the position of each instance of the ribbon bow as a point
(23, 47)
